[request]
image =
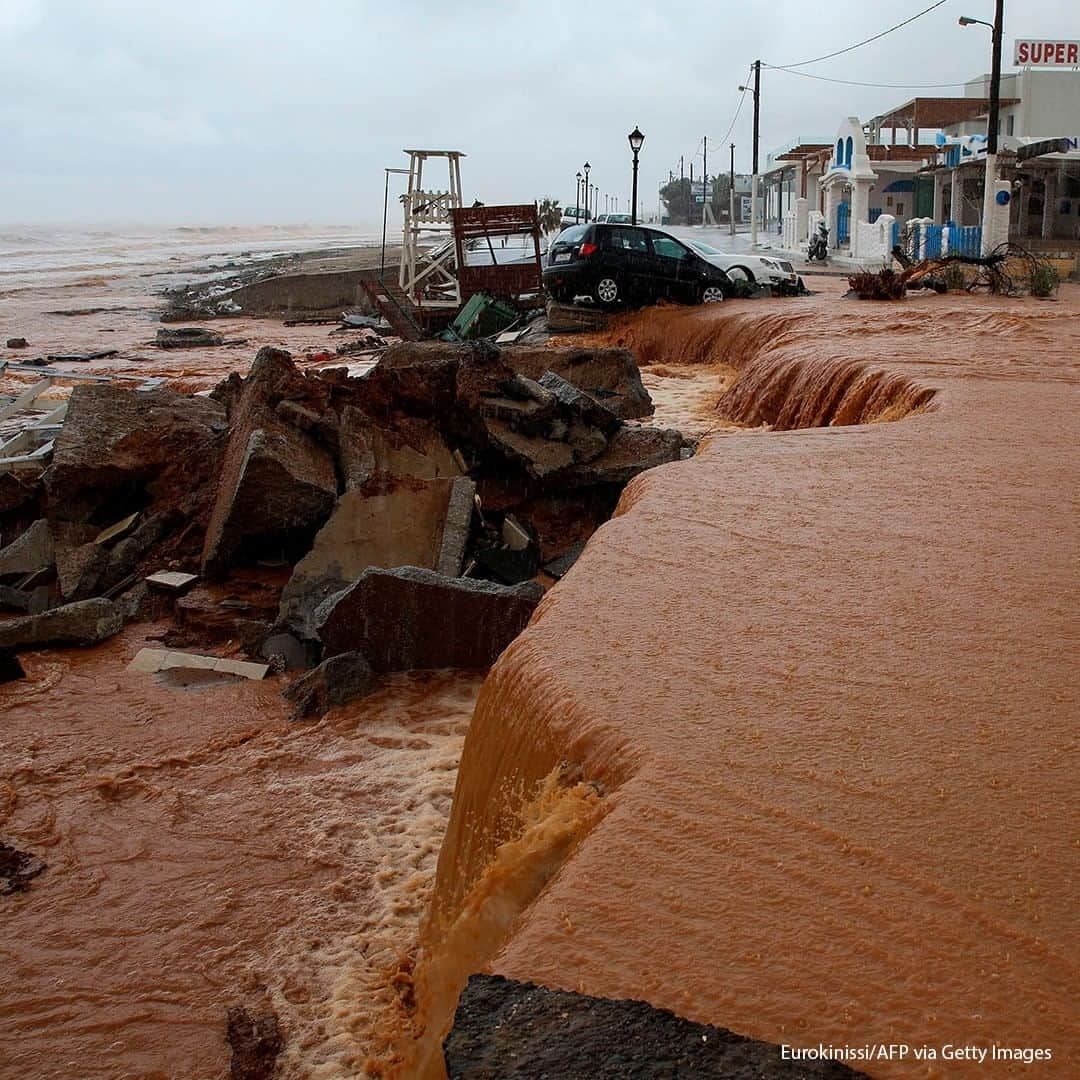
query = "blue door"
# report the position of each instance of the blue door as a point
(843, 223)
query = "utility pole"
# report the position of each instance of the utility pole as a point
(754, 179)
(990, 180)
(731, 192)
(690, 194)
(705, 175)
(682, 177)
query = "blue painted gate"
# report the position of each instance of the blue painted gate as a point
(965, 240)
(843, 223)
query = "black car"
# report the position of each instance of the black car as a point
(630, 264)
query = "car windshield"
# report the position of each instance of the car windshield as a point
(705, 249)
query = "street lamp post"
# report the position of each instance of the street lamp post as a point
(731, 192)
(587, 168)
(990, 178)
(636, 140)
(577, 195)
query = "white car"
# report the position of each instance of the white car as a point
(760, 269)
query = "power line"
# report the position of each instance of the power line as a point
(851, 82)
(859, 44)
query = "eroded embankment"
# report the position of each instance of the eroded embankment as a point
(791, 371)
(824, 672)
(533, 721)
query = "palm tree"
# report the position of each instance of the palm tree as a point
(549, 214)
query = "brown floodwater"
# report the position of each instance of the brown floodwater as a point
(202, 853)
(791, 750)
(822, 682)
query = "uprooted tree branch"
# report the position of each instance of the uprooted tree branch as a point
(1008, 270)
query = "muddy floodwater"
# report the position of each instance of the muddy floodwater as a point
(813, 695)
(791, 750)
(202, 853)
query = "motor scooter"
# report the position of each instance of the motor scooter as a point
(819, 245)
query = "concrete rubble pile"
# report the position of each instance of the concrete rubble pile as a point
(396, 520)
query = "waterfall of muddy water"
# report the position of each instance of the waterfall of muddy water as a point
(825, 680)
(203, 852)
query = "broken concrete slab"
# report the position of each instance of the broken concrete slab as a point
(117, 531)
(515, 535)
(187, 337)
(539, 456)
(588, 409)
(410, 617)
(174, 581)
(434, 375)
(368, 450)
(336, 681)
(405, 526)
(456, 527)
(610, 376)
(155, 660)
(32, 551)
(571, 319)
(116, 443)
(80, 570)
(277, 485)
(631, 450)
(518, 1031)
(32, 600)
(86, 622)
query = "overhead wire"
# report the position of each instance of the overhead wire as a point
(865, 41)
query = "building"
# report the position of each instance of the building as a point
(924, 162)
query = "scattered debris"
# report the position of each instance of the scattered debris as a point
(409, 618)
(81, 358)
(173, 581)
(85, 622)
(256, 1041)
(17, 869)
(571, 319)
(16, 343)
(154, 660)
(188, 337)
(117, 531)
(884, 284)
(336, 681)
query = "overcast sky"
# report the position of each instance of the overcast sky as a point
(280, 111)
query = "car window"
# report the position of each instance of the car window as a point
(627, 240)
(667, 247)
(573, 234)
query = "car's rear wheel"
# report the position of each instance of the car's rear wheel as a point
(606, 291)
(712, 294)
(740, 273)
